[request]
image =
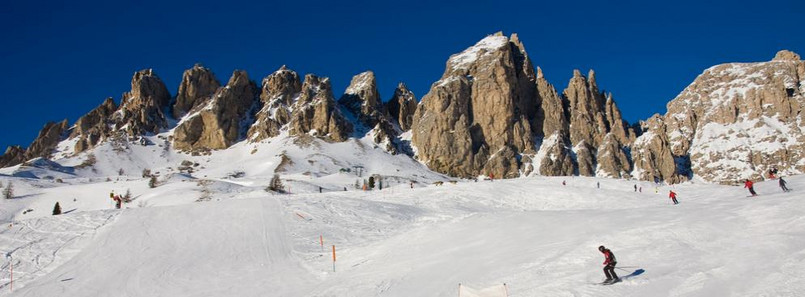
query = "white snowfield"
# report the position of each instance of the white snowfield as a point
(533, 234)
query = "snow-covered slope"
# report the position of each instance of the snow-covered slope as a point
(533, 234)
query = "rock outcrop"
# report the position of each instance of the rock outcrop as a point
(221, 121)
(142, 110)
(612, 159)
(552, 114)
(556, 156)
(14, 155)
(280, 89)
(94, 127)
(198, 85)
(50, 135)
(477, 109)
(316, 112)
(402, 106)
(737, 120)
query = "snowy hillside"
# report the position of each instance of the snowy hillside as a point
(533, 234)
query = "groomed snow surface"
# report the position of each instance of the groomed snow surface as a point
(533, 234)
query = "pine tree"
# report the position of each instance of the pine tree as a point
(152, 183)
(371, 182)
(127, 197)
(120, 171)
(56, 209)
(8, 192)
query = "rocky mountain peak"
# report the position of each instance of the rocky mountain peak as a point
(479, 112)
(362, 99)
(316, 112)
(279, 90)
(198, 84)
(220, 121)
(786, 55)
(14, 155)
(142, 109)
(95, 126)
(402, 106)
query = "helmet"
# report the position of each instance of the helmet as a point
(601, 248)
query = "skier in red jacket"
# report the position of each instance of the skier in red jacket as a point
(672, 195)
(609, 265)
(748, 184)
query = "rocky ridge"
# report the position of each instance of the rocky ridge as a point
(489, 114)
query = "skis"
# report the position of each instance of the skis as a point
(607, 283)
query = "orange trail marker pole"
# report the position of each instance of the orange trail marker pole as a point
(321, 240)
(333, 258)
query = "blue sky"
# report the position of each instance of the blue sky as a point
(61, 59)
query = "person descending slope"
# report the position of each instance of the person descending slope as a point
(783, 185)
(749, 185)
(609, 266)
(672, 195)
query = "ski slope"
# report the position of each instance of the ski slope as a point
(535, 235)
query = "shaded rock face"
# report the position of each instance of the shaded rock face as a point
(222, 120)
(50, 136)
(198, 84)
(362, 99)
(316, 112)
(402, 106)
(14, 155)
(94, 127)
(651, 153)
(737, 120)
(477, 108)
(279, 91)
(142, 109)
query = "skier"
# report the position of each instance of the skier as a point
(782, 185)
(635, 188)
(118, 201)
(748, 184)
(609, 265)
(672, 195)
(598, 185)
(563, 183)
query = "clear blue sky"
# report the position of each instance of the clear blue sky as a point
(62, 59)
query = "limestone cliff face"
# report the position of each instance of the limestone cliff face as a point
(477, 110)
(14, 155)
(402, 106)
(280, 90)
(221, 121)
(50, 135)
(551, 114)
(737, 120)
(651, 153)
(316, 112)
(198, 85)
(94, 127)
(556, 159)
(142, 109)
(612, 159)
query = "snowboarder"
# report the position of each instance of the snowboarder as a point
(672, 195)
(609, 265)
(782, 185)
(749, 185)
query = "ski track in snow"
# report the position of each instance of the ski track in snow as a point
(533, 234)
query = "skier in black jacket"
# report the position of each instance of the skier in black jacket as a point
(609, 265)
(782, 185)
